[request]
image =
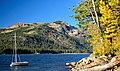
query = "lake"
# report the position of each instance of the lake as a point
(40, 62)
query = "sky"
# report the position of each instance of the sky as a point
(31, 11)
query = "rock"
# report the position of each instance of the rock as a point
(102, 63)
(18, 25)
(70, 67)
(67, 64)
(80, 61)
(103, 56)
(102, 60)
(91, 55)
(84, 61)
(87, 62)
(91, 59)
(110, 55)
(71, 64)
(118, 69)
(114, 58)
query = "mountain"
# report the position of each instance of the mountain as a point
(43, 37)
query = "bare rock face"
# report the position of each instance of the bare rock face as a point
(63, 27)
(102, 63)
(74, 32)
(18, 25)
(54, 25)
(60, 26)
(13, 27)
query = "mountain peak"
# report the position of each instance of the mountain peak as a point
(56, 36)
(60, 22)
(18, 25)
(60, 26)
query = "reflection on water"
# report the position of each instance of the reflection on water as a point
(15, 68)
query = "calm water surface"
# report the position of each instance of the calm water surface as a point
(41, 62)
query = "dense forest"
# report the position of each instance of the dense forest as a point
(43, 38)
(100, 19)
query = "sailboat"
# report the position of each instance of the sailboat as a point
(16, 58)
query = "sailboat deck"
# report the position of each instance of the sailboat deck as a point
(19, 64)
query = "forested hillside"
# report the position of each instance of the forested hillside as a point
(53, 37)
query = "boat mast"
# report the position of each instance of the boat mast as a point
(15, 49)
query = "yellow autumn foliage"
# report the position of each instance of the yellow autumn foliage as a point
(110, 19)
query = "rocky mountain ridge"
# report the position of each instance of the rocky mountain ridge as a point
(60, 26)
(46, 36)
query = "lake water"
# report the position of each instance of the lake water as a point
(40, 62)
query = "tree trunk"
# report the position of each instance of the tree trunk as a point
(97, 21)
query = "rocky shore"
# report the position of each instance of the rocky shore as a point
(92, 63)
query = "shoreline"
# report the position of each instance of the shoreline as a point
(92, 63)
(55, 53)
(75, 53)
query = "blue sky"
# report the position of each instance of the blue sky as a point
(30, 11)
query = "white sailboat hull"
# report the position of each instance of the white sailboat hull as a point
(19, 64)
(15, 60)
